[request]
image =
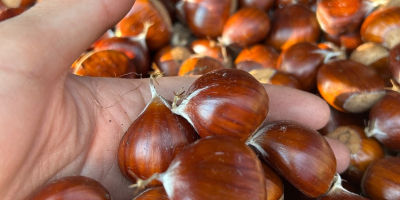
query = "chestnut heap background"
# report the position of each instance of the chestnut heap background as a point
(346, 51)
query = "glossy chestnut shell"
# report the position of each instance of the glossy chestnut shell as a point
(349, 86)
(293, 24)
(298, 153)
(215, 167)
(221, 102)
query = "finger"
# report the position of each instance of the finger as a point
(52, 34)
(342, 154)
(291, 104)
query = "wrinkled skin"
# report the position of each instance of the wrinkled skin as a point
(54, 124)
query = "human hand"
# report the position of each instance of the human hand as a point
(55, 124)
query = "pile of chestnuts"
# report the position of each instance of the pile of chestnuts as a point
(211, 141)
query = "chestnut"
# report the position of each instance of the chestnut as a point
(221, 102)
(216, 167)
(10, 13)
(275, 77)
(150, 11)
(375, 56)
(394, 63)
(206, 18)
(263, 55)
(72, 187)
(340, 16)
(169, 59)
(382, 26)
(384, 122)
(19, 3)
(308, 3)
(212, 48)
(293, 24)
(382, 179)
(273, 182)
(197, 65)
(105, 63)
(349, 86)
(133, 50)
(264, 5)
(302, 60)
(153, 140)
(298, 153)
(363, 150)
(254, 26)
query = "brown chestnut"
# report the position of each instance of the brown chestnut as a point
(384, 122)
(153, 140)
(197, 65)
(363, 150)
(382, 26)
(133, 50)
(293, 24)
(169, 59)
(254, 26)
(264, 5)
(72, 187)
(105, 63)
(273, 182)
(147, 11)
(275, 77)
(308, 3)
(375, 56)
(382, 179)
(263, 55)
(349, 86)
(340, 16)
(302, 60)
(212, 48)
(338, 192)
(298, 153)
(206, 18)
(222, 101)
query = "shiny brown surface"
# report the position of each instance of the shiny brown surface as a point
(338, 192)
(133, 50)
(299, 154)
(384, 122)
(206, 18)
(73, 187)
(264, 5)
(394, 62)
(275, 77)
(227, 102)
(264, 55)
(363, 150)
(340, 80)
(10, 13)
(382, 179)
(340, 16)
(253, 23)
(145, 11)
(216, 168)
(169, 59)
(198, 65)
(155, 193)
(302, 61)
(293, 24)
(106, 63)
(349, 41)
(153, 140)
(283, 3)
(273, 182)
(210, 48)
(379, 23)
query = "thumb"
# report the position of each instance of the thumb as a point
(47, 38)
